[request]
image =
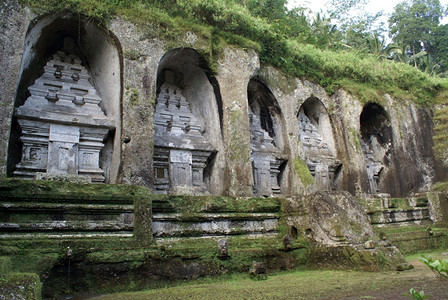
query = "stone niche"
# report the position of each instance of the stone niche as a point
(67, 108)
(187, 135)
(376, 143)
(266, 141)
(316, 136)
(63, 126)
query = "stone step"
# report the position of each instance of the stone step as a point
(69, 199)
(63, 235)
(207, 224)
(389, 216)
(61, 217)
(87, 225)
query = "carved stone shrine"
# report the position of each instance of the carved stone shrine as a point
(319, 159)
(373, 168)
(63, 127)
(266, 159)
(181, 152)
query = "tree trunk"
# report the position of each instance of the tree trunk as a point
(415, 58)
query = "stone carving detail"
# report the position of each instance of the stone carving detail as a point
(181, 152)
(63, 126)
(321, 162)
(223, 249)
(266, 159)
(373, 168)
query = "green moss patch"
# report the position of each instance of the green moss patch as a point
(440, 186)
(303, 172)
(412, 239)
(21, 286)
(63, 192)
(189, 205)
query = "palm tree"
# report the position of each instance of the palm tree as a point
(428, 65)
(377, 46)
(398, 51)
(323, 30)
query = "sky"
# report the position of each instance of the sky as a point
(373, 6)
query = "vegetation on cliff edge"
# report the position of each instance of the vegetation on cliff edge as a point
(281, 38)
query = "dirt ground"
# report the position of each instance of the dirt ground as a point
(420, 278)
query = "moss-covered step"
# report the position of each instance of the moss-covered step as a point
(414, 238)
(397, 211)
(17, 190)
(208, 224)
(396, 217)
(52, 208)
(190, 216)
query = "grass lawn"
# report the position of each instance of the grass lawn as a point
(306, 284)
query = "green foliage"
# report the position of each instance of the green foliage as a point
(413, 22)
(270, 9)
(438, 266)
(415, 26)
(413, 294)
(440, 136)
(356, 139)
(285, 39)
(199, 204)
(440, 47)
(440, 186)
(133, 96)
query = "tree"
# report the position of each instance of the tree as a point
(414, 22)
(400, 52)
(270, 9)
(356, 25)
(440, 47)
(378, 46)
(323, 31)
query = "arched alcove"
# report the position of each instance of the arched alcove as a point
(187, 133)
(69, 95)
(316, 136)
(375, 124)
(376, 142)
(267, 142)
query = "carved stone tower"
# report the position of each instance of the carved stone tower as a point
(319, 159)
(266, 159)
(63, 127)
(373, 168)
(181, 152)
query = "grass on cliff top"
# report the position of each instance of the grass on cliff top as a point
(217, 23)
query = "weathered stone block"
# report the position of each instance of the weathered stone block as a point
(223, 249)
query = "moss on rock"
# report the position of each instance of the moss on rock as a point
(21, 286)
(303, 172)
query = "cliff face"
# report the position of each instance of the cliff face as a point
(257, 121)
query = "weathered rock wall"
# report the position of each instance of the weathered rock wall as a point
(404, 150)
(407, 159)
(14, 23)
